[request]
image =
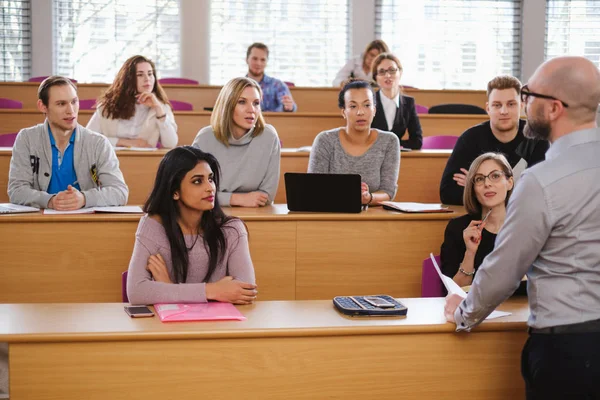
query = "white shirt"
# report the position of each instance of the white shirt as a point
(129, 128)
(390, 107)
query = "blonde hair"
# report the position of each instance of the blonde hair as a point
(221, 119)
(470, 201)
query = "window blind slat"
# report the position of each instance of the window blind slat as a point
(308, 40)
(15, 40)
(94, 38)
(458, 44)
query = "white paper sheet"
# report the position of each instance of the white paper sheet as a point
(453, 288)
(50, 211)
(136, 148)
(91, 210)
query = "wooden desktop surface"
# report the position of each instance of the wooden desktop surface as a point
(308, 99)
(284, 350)
(294, 129)
(418, 181)
(302, 256)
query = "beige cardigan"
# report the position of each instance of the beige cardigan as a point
(153, 130)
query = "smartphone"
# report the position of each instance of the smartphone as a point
(378, 302)
(138, 311)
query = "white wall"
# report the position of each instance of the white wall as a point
(195, 42)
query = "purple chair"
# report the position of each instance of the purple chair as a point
(290, 84)
(181, 105)
(431, 284)
(9, 103)
(87, 104)
(421, 109)
(7, 139)
(124, 287)
(439, 142)
(178, 81)
(41, 78)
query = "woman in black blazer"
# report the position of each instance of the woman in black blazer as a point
(387, 71)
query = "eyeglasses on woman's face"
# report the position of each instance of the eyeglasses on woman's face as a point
(494, 177)
(383, 72)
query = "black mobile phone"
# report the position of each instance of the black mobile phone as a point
(138, 311)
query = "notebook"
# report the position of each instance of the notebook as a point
(323, 192)
(212, 311)
(92, 210)
(414, 207)
(8, 208)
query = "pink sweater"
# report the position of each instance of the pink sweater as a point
(151, 238)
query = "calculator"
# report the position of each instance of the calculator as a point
(358, 306)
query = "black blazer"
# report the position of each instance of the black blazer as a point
(406, 118)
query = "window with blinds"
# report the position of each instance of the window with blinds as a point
(452, 44)
(573, 28)
(15, 41)
(308, 40)
(94, 37)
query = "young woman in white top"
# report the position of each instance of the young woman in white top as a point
(359, 67)
(135, 111)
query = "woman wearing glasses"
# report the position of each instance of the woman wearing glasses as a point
(470, 238)
(395, 112)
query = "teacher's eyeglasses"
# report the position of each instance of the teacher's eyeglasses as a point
(525, 93)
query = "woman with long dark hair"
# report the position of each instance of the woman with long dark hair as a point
(134, 111)
(187, 250)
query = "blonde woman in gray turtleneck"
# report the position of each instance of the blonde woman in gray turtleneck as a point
(247, 149)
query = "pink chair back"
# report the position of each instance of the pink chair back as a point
(7, 139)
(124, 287)
(178, 81)
(41, 78)
(431, 284)
(9, 103)
(181, 105)
(87, 104)
(439, 142)
(290, 84)
(421, 109)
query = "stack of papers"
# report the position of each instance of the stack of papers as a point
(453, 288)
(414, 207)
(9, 208)
(92, 210)
(212, 311)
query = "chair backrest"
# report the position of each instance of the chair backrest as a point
(124, 287)
(181, 105)
(178, 81)
(87, 104)
(456, 109)
(421, 109)
(439, 142)
(41, 78)
(290, 84)
(10, 103)
(431, 284)
(7, 139)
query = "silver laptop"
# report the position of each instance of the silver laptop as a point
(8, 208)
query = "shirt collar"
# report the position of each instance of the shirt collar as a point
(572, 139)
(53, 142)
(265, 79)
(395, 100)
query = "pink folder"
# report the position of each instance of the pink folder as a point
(212, 311)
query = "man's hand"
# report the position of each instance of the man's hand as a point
(288, 103)
(452, 303)
(67, 200)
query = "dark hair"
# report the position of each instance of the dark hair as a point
(171, 171)
(118, 101)
(257, 45)
(54, 80)
(354, 84)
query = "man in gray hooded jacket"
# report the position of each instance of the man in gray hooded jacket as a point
(60, 164)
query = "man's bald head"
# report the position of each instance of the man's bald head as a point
(575, 81)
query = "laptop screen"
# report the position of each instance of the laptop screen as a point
(323, 192)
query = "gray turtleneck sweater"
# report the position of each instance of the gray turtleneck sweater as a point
(248, 164)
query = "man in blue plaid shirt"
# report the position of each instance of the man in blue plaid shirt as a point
(276, 94)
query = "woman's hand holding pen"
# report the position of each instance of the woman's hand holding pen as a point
(472, 235)
(229, 290)
(67, 200)
(158, 269)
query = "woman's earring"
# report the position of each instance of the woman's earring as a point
(176, 196)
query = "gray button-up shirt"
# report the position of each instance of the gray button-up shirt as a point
(552, 234)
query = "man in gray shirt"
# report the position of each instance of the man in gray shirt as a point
(552, 234)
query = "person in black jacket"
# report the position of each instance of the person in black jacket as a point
(503, 133)
(395, 112)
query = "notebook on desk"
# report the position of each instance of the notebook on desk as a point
(323, 192)
(8, 208)
(213, 311)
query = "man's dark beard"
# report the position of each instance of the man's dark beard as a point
(537, 129)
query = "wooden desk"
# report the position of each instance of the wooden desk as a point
(419, 179)
(296, 350)
(308, 99)
(294, 129)
(79, 258)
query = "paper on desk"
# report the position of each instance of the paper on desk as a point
(136, 148)
(453, 288)
(50, 211)
(91, 210)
